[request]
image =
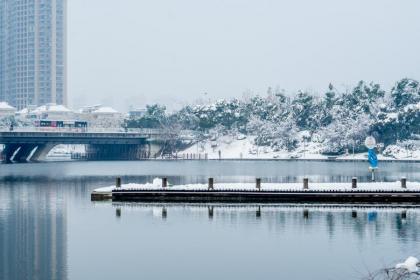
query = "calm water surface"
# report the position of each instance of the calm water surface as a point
(49, 228)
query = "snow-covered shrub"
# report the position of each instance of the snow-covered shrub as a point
(278, 136)
(402, 149)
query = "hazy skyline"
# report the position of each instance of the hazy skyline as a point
(132, 52)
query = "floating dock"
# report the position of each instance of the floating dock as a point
(266, 196)
(160, 191)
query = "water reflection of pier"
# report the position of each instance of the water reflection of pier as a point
(363, 221)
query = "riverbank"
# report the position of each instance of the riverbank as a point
(229, 148)
(196, 158)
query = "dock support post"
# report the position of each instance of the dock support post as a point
(305, 183)
(354, 214)
(164, 213)
(211, 211)
(305, 213)
(118, 182)
(403, 182)
(164, 182)
(211, 184)
(354, 183)
(404, 215)
(258, 212)
(258, 183)
(118, 212)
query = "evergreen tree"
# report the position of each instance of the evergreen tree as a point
(406, 91)
(303, 110)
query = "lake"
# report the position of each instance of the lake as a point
(49, 228)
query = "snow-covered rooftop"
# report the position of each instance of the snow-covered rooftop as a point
(105, 110)
(6, 107)
(24, 111)
(51, 108)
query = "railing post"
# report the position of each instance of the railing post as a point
(354, 183)
(118, 182)
(258, 183)
(211, 184)
(164, 182)
(305, 183)
(403, 182)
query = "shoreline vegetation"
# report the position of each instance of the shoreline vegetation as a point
(280, 124)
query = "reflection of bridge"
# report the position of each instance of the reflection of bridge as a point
(22, 146)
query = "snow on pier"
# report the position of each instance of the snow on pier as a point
(279, 187)
(160, 191)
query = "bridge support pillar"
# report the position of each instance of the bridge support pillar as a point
(24, 152)
(154, 149)
(8, 152)
(41, 152)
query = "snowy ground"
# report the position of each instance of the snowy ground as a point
(232, 148)
(373, 186)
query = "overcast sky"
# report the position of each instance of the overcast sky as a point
(134, 52)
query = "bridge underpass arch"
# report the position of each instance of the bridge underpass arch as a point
(118, 151)
(26, 152)
(22, 146)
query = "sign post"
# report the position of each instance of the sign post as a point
(370, 143)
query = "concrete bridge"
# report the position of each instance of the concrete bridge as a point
(23, 146)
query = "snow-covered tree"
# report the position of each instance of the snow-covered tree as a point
(336, 120)
(405, 92)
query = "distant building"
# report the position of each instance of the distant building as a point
(33, 52)
(54, 112)
(100, 116)
(49, 111)
(90, 109)
(27, 113)
(6, 110)
(136, 113)
(106, 112)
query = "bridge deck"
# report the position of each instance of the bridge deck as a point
(60, 137)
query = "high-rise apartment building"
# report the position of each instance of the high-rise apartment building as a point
(33, 52)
